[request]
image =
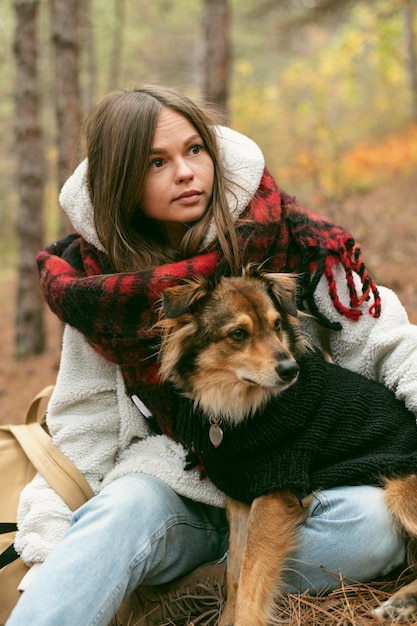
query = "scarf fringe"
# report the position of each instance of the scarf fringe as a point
(353, 263)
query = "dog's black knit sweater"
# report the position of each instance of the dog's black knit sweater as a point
(332, 427)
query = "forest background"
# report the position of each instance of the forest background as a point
(327, 88)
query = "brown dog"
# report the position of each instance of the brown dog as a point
(231, 345)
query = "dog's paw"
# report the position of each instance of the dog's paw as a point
(400, 608)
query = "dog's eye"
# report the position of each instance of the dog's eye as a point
(239, 334)
(278, 325)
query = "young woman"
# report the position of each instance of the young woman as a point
(165, 195)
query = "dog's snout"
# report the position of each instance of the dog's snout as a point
(287, 370)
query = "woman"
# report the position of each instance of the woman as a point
(174, 197)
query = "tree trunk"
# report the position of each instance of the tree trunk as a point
(410, 45)
(89, 89)
(30, 331)
(217, 55)
(65, 38)
(118, 36)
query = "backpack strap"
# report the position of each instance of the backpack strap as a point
(32, 413)
(56, 468)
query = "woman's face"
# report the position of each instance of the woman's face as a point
(179, 180)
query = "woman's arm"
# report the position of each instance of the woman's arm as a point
(383, 349)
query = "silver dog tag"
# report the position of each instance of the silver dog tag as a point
(215, 432)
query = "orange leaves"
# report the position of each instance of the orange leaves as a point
(329, 175)
(396, 154)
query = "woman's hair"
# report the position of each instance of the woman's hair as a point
(119, 133)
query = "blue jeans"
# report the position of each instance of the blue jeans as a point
(138, 531)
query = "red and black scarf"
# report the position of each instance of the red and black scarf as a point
(117, 313)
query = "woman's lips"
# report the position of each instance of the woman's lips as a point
(189, 197)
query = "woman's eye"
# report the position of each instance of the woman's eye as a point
(156, 163)
(239, 334)
(196, 149)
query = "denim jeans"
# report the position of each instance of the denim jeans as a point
(138, 531)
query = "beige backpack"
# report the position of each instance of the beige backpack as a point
(24, 450)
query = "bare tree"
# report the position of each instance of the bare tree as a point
(410, 45)
(65, 36)
(217, 54)
(87, 45)
(30, 332)
(116, 60)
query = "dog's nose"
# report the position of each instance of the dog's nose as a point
(287, 370)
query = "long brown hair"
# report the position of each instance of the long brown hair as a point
(119, 133)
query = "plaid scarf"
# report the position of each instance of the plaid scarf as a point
(117, 313)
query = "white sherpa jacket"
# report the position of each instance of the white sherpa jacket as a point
(101, 430)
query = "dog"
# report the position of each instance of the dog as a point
(232, 345)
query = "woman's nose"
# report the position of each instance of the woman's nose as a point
(183, 171)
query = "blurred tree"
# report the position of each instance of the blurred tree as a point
(217, 53)
(410, 46)
(65, 16)
(118, 36)
(30, 333)
(87, 45)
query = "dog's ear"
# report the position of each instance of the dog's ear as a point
(179, 299)
(283, 289)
